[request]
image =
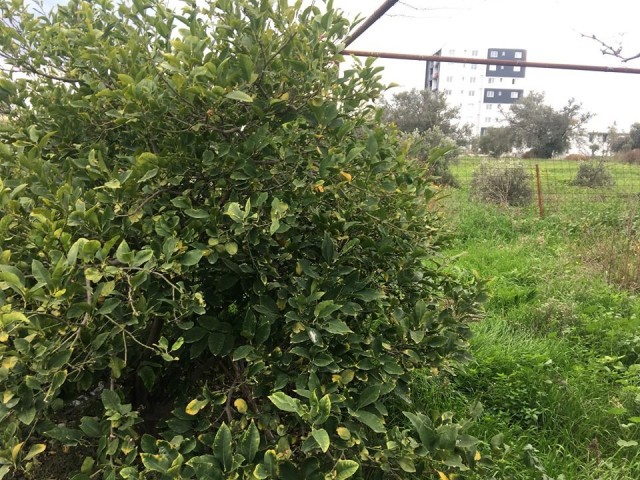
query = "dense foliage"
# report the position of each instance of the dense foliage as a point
(543, 129)
(215, 263)
(425, 111)
(497, 141)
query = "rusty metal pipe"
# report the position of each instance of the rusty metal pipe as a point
(489, 61)
(373, 18)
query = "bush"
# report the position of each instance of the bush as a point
(214, 262)
(630, 156)
(502, 182)
(577, 157)
(593, 174)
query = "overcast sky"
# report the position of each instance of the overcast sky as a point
(548, 29)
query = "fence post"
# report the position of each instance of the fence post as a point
(540, 206)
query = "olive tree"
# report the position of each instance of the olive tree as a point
(214, 261)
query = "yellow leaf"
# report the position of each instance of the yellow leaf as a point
(284, 96)
(195, 406)
(477, 456)
(297, 327)
(7, 395)
(4, 336)
(319, 188)
(343, 433)
(336, 378)
(9, 362)
(35, 449)
(347, 176)
(240, 405)
(442, 476)
(15, 451)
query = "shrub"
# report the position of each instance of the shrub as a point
(593, 174)
(630, 156)
(502, 182)
(578, 157)
(214, 262)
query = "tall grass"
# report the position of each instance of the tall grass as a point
(557, 359)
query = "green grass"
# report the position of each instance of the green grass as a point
(557, 358)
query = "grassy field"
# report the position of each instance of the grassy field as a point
(557, 359)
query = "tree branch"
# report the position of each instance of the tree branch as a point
(608, 49)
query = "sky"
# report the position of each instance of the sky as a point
(548, 29)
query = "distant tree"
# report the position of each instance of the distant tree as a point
(497, 141)
(424, 110)
(542, 129)
(634, 136)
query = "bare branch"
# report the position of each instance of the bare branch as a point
(608, 49)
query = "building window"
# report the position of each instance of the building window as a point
(474, 53)
(462, 79)
(491, 80)
(517, 69)
(493, 54)
(518, 55)
(461, 92)
(490, 93)
(450, 78)
(474, 67)
(487, 119)
(503, 53)
(492, 68)
(489, 107)
(499, 94)
(472, 79)
(452, 52)
(447, 92)
(514, 94)
(472, 93)
(513, 81)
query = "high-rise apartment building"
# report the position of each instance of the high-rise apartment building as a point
(482, 92)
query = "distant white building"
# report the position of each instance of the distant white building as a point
(480, 91)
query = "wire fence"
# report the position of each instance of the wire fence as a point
(557, 185)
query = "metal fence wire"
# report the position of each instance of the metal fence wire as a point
(554, 185)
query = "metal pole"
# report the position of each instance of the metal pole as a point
(375, 16)
(540, 207)
(488, 61)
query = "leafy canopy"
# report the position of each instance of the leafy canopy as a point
(542, 129)
(214, 262)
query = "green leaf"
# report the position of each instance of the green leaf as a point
(242, 352)
(27, 415)
(327, 248)
(249, 443)
(322, 439)
(374, 422)
(234, 211)
(110, 400)
(346, 469)
(40, 273)
(325, 308)
(284, 402)
(123, 253)
(369, 395)
(240, 96)
(193, 213)
(222, 447)
(192, 257)
(337, 327)
(91, 427)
